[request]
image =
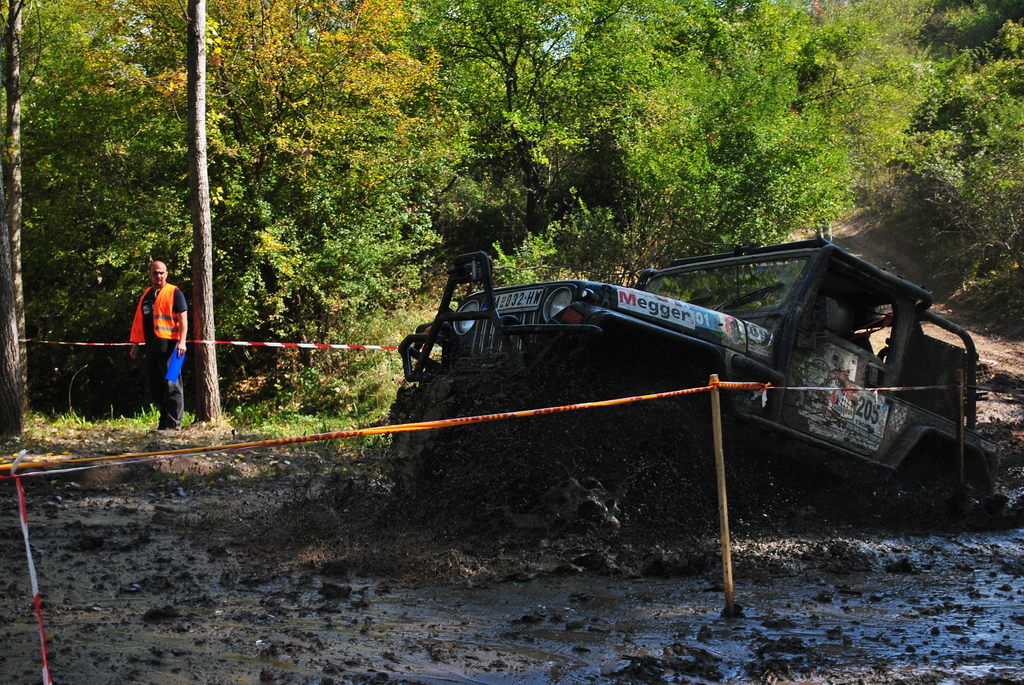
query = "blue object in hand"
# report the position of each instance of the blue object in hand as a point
(174, 368)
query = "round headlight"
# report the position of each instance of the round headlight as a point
(463, 327)
(558, 300)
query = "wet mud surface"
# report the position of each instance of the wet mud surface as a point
(327, 567)
(161, 585)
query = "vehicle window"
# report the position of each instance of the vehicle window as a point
(877, 330)
(733, 287)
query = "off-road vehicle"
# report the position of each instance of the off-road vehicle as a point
(798, 315)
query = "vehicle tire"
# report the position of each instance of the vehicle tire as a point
(929, 480)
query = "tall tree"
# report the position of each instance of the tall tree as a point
(538, 78)
(710, 140)
(326, 149)
(12, 168)
(207, 386)
(12, 421)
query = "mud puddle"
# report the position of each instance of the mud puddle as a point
(132, 595)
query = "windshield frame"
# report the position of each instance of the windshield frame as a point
(732, 297)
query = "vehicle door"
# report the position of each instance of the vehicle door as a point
(843, 343)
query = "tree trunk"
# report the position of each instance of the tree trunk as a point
(533, 180)
(12, 172)
(207, 388)
(12, 417)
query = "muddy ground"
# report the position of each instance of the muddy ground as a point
(301, 565)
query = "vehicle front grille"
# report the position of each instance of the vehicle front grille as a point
(484, 341)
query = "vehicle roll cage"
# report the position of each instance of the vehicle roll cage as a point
(475, 267)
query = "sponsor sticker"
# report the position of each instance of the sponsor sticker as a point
(707, 323)
(759, 342)
(672, 311)
(856, 419)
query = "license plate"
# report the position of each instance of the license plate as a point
(519, 300)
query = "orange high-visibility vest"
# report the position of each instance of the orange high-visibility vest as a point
(165, 321)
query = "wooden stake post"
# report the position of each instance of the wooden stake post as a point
(723, 506)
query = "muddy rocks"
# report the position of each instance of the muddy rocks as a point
(903, 565)
(337, 567)
(334, 591)
(164, 516)
(217, 551)
(785, 645)
(673, 564)
(598, 561)
(87, 543)
(441, 651)
(161, 613)
(779, 623)
(649, 669)
(535, 616)
(823, 597)
(696, 662)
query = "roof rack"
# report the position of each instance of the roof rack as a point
(743, 250)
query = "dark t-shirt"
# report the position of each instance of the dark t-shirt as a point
(154, 344)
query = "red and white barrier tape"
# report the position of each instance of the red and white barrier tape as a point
(897, 388)
(316, 346)
(83, 344)
(237, 343)
(23, 512)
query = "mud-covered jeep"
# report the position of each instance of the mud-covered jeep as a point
(798, 315)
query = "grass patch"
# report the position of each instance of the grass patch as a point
(334, 389)
(322, 392)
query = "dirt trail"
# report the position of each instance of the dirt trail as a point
(283, 567)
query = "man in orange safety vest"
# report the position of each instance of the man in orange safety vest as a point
(161, 323)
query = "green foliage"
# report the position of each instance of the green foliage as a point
(538, 84)
(521, 265)
(669, 122)
(960, 25)
(962, 171)
(353, 388)
(325, 177)
(864, 69)
(353, 144)
(325, 152)
(1011, 39)
(719, 147)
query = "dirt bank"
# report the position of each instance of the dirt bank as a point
(301, 566)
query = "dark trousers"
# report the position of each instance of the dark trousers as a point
(168, 397)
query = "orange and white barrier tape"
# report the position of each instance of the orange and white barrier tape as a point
(375, 430)
(760, 388)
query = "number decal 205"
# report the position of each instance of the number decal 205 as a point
(868, 409)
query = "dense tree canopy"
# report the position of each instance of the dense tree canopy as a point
(961, 170)
(354, 144)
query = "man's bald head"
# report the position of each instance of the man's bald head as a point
(157, 274)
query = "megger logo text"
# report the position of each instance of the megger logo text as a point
(672, 311)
